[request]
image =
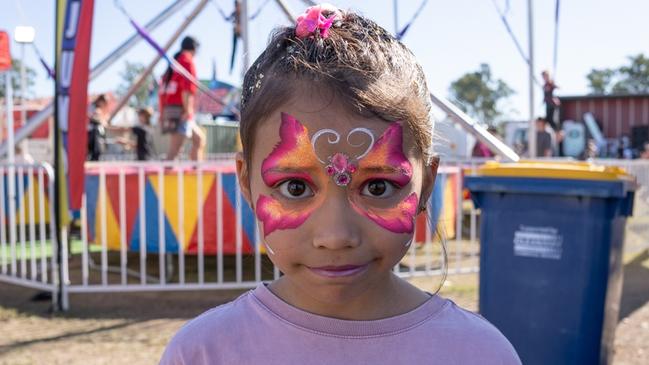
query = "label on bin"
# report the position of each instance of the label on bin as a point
(540, 242)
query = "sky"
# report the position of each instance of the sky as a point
(449, 38)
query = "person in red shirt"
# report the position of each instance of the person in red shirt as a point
(177, 101)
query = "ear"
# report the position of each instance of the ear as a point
(430, 175)
(243, 176)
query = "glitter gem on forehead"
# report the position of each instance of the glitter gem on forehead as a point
(339, 165)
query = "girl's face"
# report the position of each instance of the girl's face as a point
(336, 196)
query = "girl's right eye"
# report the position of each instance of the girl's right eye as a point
(295, 189)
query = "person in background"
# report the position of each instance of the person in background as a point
(551, 101)
(482, 150)
(543, 139)
(591, 151)
(624, 150)
(97, 128)
(22, 156)
(645, 153)
(177, 104)
(143, 144)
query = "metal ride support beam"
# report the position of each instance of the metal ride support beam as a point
(531, 134)
(471, 126)
(245, 36)
(287, 11)
(136, 85)
(35, 121)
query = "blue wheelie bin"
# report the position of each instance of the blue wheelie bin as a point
(550, 261)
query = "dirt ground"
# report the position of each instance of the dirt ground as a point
(133, 328)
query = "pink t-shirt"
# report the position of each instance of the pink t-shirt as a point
(260, 328)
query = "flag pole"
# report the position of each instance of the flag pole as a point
(58, 303)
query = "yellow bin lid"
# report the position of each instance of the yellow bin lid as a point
(570, 170)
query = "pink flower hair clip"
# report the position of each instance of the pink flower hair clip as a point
(313, 20)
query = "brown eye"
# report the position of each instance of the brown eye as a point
(376, 187)
(295, 189)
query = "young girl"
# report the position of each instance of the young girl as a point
(337, 164)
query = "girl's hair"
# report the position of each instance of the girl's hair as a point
(187, 44)
(368, 70)
(170, 71)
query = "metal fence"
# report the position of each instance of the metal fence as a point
(28, 246)
(184, 226)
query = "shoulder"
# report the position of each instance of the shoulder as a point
(194, 342)
(477, 338)
(185, 58)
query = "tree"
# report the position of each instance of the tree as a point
(129, 75)
(30, 74)
(600, 81)
(628, 79)
(478, 94)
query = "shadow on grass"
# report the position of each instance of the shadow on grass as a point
(16, 300)
(635, 290)
(4, 349)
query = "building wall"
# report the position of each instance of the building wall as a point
(616, 115)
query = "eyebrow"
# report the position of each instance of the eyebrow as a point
(382, 169)
(291, 169)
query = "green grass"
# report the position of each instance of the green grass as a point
(76, 247)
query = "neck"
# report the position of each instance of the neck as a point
(391, 297)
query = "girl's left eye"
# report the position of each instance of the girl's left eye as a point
(378, 189)
(295, 189)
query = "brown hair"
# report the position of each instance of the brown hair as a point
(147, 112)
(365, 66)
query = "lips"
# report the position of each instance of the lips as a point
(338, 271)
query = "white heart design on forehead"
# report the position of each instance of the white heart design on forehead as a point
(338, 165)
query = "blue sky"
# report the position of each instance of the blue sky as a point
(449, 38)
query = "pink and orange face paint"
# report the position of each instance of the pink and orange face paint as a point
(294, 158)
(291, 158)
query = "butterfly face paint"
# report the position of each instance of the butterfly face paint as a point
(388, 153)
(294, 157)
(386, 161)
(291, 158)
(274, 216)
(399, 219)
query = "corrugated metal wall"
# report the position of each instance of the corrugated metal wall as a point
(615, 114)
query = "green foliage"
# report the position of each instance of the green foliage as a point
(30, 74)
(628, 79)
(478, 94)
(600, 80)
(129, 75)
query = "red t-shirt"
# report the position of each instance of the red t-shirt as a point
(172, 92)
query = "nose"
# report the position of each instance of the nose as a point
(335, 226)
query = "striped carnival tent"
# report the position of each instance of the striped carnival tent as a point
(182, 205)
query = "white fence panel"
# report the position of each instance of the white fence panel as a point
(28, 246)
